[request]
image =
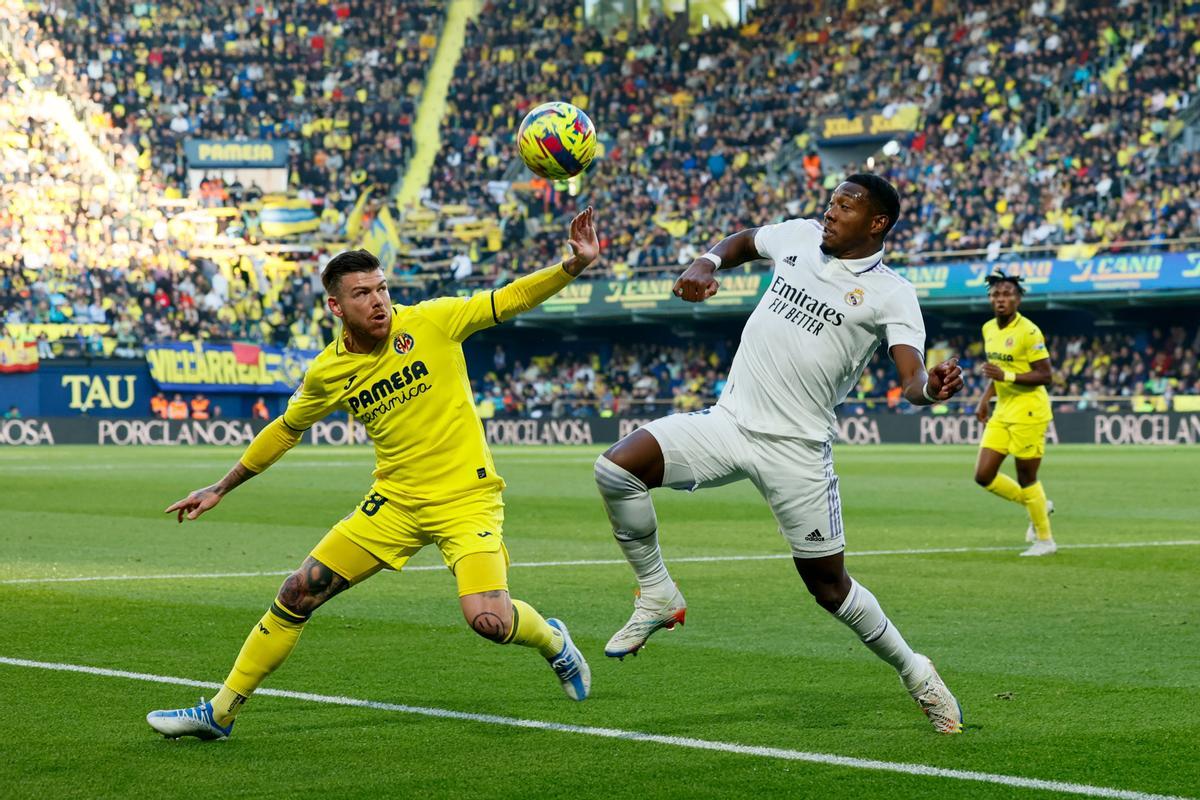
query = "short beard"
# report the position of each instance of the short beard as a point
(362, 334)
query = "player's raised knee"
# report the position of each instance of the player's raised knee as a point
(984, 478)
(296, 595)
(614, 478)
(602, 469)
(637, 458)
(307, 588)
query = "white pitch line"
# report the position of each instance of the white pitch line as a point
(687, 742)
(597, 562)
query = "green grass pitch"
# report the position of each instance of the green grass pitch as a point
(1082, 668)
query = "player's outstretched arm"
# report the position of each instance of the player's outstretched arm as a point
(530, 291)
(268, 446)
(923, 388)
(697, 283)
(204, 499)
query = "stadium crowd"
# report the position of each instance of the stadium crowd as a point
(338, 80)
(1044, 123)
(1144, 369)
(140, 304)
(68, 199)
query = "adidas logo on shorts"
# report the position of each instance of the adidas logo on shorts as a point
(815, 536)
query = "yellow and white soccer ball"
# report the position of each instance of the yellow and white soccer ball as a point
(557, 141)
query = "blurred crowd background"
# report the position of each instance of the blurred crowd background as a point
(1035, 129)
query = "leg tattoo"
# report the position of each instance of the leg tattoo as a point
(309, 587)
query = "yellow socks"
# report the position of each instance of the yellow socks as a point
(1006, 487)
(1034, 498)
(226, 705)
(529, 629)
(267, 646)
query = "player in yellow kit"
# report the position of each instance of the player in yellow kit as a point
(398, 370)
(1019, 366)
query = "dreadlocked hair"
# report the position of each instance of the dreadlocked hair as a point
(999, 277)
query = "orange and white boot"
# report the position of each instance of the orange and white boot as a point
(648, 617)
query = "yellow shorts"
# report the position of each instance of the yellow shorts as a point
(383, 533)
(1024, 440)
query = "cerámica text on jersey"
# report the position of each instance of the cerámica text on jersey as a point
(382, 388)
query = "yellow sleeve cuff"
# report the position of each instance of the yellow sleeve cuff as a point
(1009, 376)
(529, 291)
(270, 443)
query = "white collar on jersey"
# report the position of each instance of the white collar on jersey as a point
(857, 265)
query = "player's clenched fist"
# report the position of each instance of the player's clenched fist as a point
(697, 283)
(945, 380)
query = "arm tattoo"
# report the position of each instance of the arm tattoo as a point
(234, 478)
(489, 626)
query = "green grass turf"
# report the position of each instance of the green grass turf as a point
(1097, 650)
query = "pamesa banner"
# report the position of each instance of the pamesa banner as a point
(224, 154)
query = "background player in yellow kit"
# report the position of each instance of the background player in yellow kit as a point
(1019, 366)
(398, 370)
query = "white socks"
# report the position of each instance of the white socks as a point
(627, 501)
(635, 526)
(862, 614)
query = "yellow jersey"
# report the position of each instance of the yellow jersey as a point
(1014, 348)
(412, 395)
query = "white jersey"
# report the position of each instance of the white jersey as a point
(807, 342)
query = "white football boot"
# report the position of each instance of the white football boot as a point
(1041, 547)
(195, 721)
(570, 667)
(938, 704)
(647, 618)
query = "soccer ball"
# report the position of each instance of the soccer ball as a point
(557, 141)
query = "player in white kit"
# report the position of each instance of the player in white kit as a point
(830, 302)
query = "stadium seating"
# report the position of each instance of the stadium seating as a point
(703, 133)
(340, 80)
(711, 128)
(1146, 371)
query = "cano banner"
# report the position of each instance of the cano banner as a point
(937, 284)
(218, 154)
(204, 367)
(600, 300)
(1100, 274)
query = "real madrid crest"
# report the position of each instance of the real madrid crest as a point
(855, 297)
(403, 343)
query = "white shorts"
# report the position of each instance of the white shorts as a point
(795, 476)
